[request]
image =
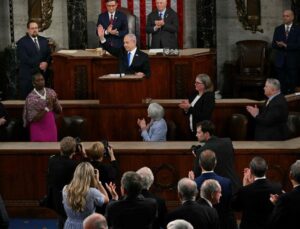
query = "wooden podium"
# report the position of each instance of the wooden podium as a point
(76, 74)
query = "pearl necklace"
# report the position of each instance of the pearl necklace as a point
(41, 96)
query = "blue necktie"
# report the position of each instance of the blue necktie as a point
(161, 15)
(128, 58)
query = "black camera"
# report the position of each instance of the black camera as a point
(78, 145)
(106, 148)
(195, 148)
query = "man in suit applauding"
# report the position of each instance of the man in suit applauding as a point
(286, 44)
(271, 121)
(131, 59)
(115, 24)
(162, 23)
(34, 55)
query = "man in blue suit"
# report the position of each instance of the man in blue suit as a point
(286, 43)
(207, 163)
(114, 23)
(34, 55)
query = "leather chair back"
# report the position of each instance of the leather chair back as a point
(293, 124)
(238, 127)
(73, 126)
(252, 57)
(172, 130)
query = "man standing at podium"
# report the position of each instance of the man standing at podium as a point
(131, 59)
(114, 23)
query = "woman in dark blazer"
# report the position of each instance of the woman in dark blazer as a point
(200, 106)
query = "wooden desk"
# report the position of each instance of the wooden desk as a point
(23, 167)
(171, 76)
(117, 122)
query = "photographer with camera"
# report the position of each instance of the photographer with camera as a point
(61, 168)
(97, 153)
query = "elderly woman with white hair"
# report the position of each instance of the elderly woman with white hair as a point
(156, 129)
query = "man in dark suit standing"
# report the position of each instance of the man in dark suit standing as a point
(207, 163)
(61, 168)
(34, 55)
(223, 149)
(162, 24)
(133, 211)
(271, 121)
(131, 59)
(253, 199)
(199, 216)
(287, 206)
(286, 43)
(115, 24)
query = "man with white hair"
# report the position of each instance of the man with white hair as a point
(199, 216)
(131, 59)
(179, 224)
(271, 120)
(156, 129)
(162, 24)
(95, 221)
(147, 181)
(210, 192)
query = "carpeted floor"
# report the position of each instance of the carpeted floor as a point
(32, 224)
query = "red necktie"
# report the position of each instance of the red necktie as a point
(111, 20)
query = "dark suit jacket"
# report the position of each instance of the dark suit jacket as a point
(286, 211)
(253, 201)
(161, 208)
(165, 37)
(30, 59)
(3, 114)
(199, 216)
(120, 23)
(225, 159)
(289, 55)
(60, 173)
(108, 172)
(225, 213)
(140, 62)
(271, 122)
(203, 108)
(131, 213)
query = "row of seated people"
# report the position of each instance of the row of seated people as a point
(271, 121)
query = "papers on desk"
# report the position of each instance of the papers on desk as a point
(155, 51)
(119, 76)
(65, 51)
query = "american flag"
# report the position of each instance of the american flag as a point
(142, 8)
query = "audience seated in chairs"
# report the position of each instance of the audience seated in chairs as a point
(156, 129)
(147, 181)
(82, 195)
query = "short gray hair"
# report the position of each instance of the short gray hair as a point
(132, 183)
(131, 36)
(179, 224)
(295, 171)
(205, 79)
(187, 189)
(209, 187)
(147, 177)
(156, 111)
(274, 83)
